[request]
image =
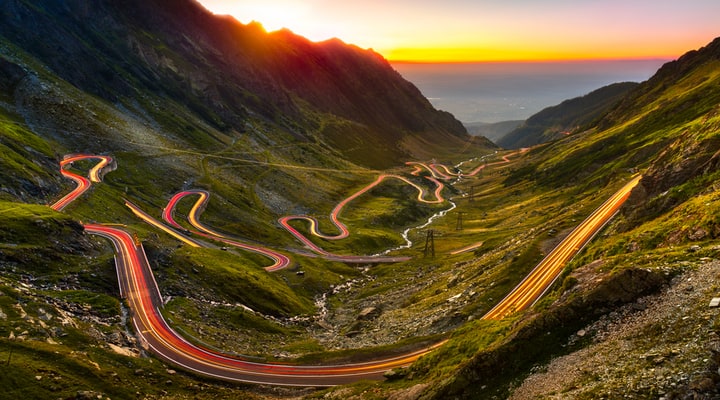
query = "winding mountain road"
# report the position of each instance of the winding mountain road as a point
(140, 213)
(139, 288)
(344, 232)
(280, 260)
(435, 169)
(83, 184)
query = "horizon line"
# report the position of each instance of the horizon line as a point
(536, 61)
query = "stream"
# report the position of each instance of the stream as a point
(406, 233)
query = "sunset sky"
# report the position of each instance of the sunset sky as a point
(493, 30)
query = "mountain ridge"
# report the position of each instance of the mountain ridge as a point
(565, 118)
(226, 71)
(493, 130)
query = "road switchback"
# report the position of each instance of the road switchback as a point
(139, 288)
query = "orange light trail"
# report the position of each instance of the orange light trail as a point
(138, 285)
(83, 184)
(280, 260)
(344, 232)
(546, 272)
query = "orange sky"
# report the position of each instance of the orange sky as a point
(493, 30)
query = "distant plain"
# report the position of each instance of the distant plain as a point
(494, 92)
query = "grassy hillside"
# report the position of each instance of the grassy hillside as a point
(566, 118)
(667, 128)
(273, 154)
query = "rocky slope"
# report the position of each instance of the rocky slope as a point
(663, 346)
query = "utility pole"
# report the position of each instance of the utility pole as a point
(429, 244)
(459, 225)
(7, 364)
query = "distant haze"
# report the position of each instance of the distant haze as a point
(493, 92)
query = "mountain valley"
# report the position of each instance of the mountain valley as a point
(401, 230)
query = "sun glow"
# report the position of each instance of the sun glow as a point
(477, 54)
(271, 15)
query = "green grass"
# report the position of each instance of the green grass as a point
(49, 247)
(304, 346)
(45, 366)
(464, 343)
(367, 354)
(229, 329)
(241, 282)
(29, 224)
(99, 303)
(19, 141)
(693, 221)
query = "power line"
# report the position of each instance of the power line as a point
(429, 244)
